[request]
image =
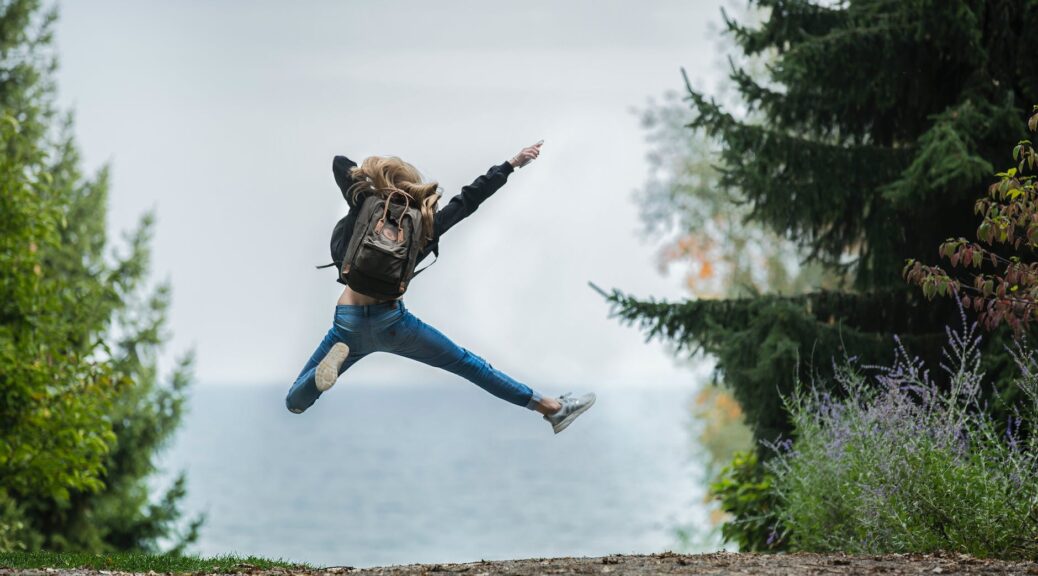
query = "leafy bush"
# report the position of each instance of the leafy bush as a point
(745, 492)
(904, 463)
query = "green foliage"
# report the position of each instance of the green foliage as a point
(141, 562)
(82, 412)
(904, 463)
(745, 491)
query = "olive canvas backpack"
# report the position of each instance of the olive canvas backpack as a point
(378, 260)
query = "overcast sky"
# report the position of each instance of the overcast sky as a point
(224, 118)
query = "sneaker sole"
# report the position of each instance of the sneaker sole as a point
(566, 421)
(328, 369)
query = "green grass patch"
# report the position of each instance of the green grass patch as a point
(140, 562)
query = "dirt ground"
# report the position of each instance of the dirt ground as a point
(721, 563)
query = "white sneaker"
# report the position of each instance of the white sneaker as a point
(571, 408)
(328, 370)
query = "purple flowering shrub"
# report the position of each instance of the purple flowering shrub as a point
(910, 461)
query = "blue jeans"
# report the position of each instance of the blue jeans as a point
(390, 327)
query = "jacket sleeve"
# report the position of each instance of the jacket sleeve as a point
(471, 196)
(341, 170)
(465, 203)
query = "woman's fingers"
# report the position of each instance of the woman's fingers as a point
(526, 155)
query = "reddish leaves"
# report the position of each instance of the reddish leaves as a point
(1008, 291)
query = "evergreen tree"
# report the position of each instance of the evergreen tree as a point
(865, 144)
(82, 412)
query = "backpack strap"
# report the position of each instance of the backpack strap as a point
(436, 256)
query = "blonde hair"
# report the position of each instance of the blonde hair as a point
(383, 175)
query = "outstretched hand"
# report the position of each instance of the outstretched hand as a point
(526, 155)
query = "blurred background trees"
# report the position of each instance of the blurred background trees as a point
(82, 408)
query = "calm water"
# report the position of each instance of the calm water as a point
(434, 473)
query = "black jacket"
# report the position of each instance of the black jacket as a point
(459, 207)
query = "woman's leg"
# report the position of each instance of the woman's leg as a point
(304, 392)
(414, 339)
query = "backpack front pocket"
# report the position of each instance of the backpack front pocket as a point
(381, 258)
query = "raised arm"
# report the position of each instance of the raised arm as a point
(472, 195)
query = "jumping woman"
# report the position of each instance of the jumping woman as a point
(366, 323)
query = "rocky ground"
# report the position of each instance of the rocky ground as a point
(721, 563)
